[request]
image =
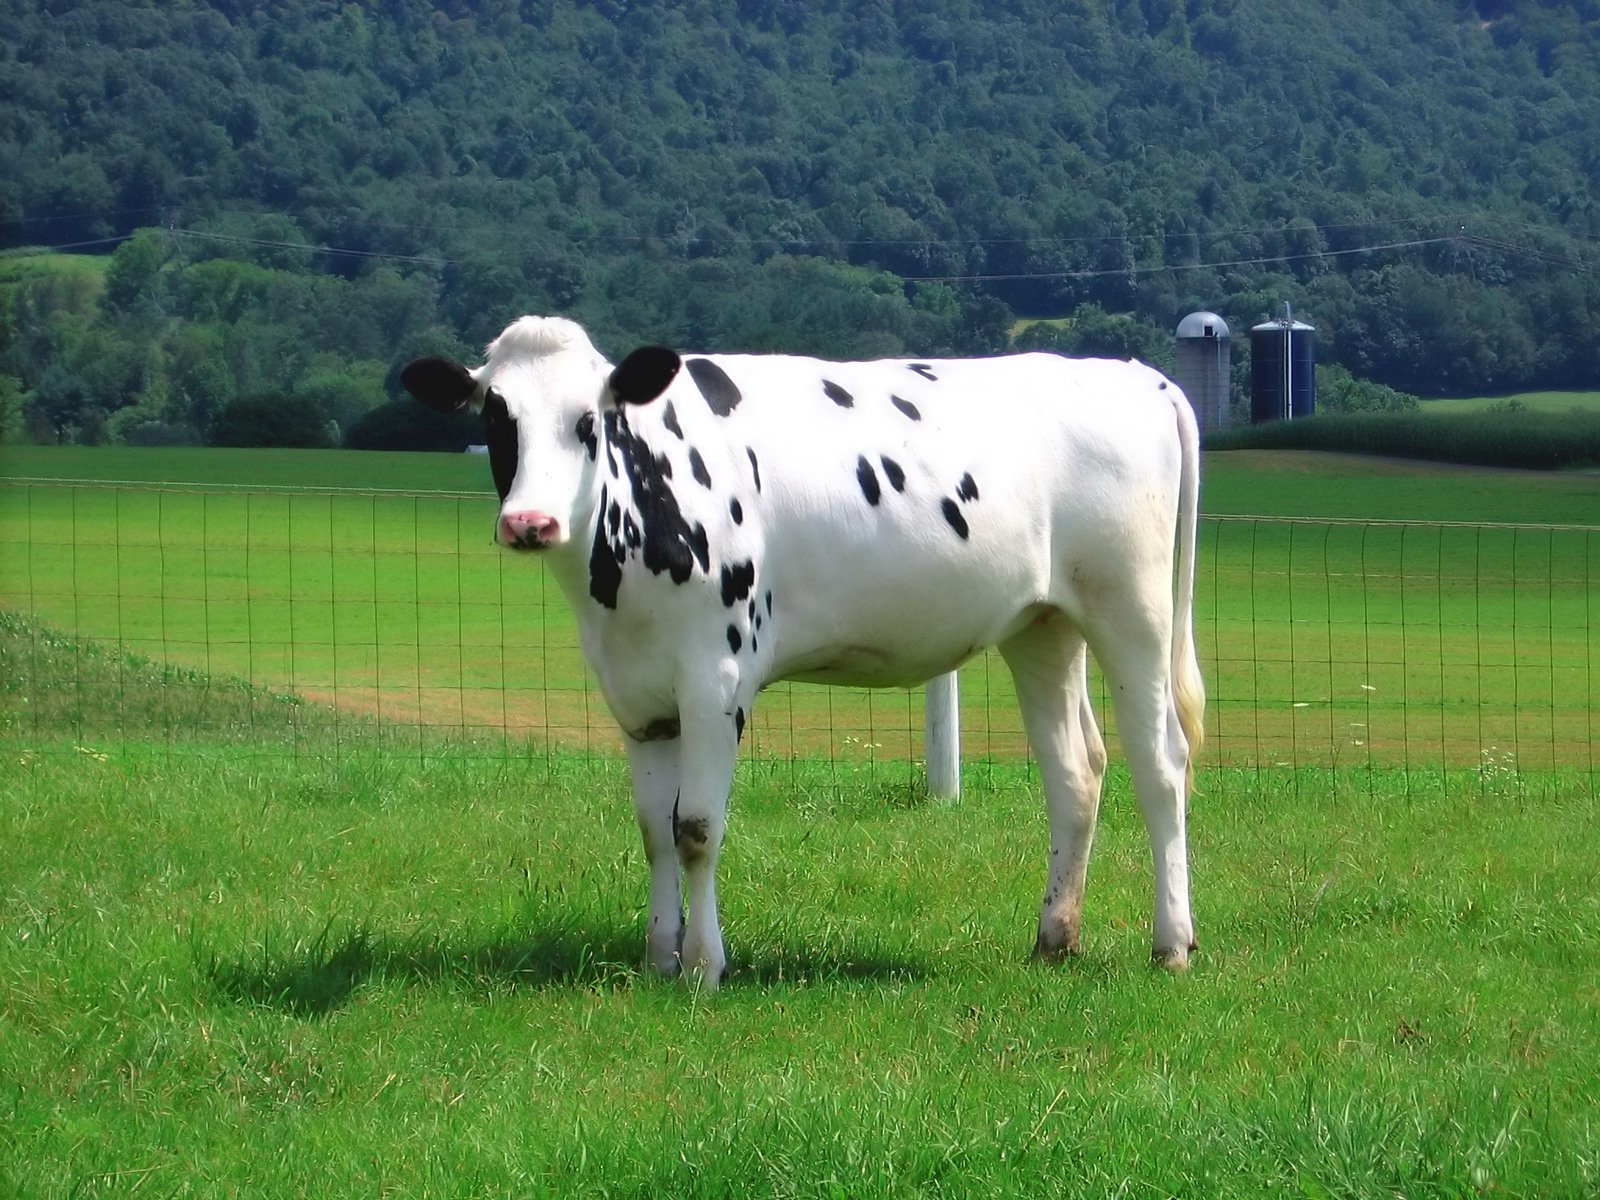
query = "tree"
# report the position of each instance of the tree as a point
(133, 277)
(294, 422)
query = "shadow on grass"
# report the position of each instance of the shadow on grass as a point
(316, 977)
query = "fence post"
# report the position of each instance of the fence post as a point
(942, 740)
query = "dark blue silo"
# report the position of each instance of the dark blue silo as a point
(1283, 370)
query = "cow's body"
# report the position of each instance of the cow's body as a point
(756, 518)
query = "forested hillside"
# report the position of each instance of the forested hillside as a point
(267, 205)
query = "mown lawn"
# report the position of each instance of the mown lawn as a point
(300, 967)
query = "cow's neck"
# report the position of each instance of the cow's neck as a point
(636, 531)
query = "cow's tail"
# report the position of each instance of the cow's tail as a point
(1189, 689)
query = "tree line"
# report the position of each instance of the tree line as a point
(298, 197)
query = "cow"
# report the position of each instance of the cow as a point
(720, 522)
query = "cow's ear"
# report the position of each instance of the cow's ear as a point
(644, 374)
(440, 383)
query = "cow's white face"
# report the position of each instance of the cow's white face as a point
(542, 394)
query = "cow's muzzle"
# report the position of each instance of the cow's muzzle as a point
(528, 530)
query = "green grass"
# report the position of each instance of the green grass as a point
(1540, 440)
(17, 265)
(1268, 482)
(301, 972)
(1550, 402)
(258, 470)
(1309, 483)
(1370, 644)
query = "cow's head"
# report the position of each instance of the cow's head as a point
(542, 394)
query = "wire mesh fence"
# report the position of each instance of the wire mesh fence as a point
(294, 622)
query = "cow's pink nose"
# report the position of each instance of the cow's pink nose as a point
(528, 530)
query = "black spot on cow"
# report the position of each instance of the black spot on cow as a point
(758, 621)
(586, 435)
(868, 479)
(737, 580)
(837, 394)
(908, 408)
(734, 640)
(605, 575)
(500, 433)
(952, 513)
(697, 465)
(968, 488)
(721, 393)
(893, 473)
(752, 613)
(614, 518)
(738, 723)
(755, 646)
(1162, 386)
(669, 543)
(769, 604)
(736, 511)
(691, 835)
(924, 370)
(670, 420)
(755, 468)
(662, 729)
(630, 530)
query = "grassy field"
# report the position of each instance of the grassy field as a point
(1556, 402)
(27, 264)
(1284, 483)
(1364, 644)
(236, 969)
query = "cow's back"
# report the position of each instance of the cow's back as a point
(905, 514)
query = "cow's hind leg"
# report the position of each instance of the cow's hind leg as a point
(1133, 652)
(1049, 663)
(655, 793)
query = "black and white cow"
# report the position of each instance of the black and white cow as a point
(748, 519)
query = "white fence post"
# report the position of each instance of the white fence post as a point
(942, 737)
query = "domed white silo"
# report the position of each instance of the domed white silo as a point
(1202, 368)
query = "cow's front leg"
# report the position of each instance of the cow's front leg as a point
(655, 794)
(710, 749)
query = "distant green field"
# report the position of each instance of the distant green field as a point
(1359, 643)
(257, 470)
(25, 264)
(1284, 483)
(1558, 402)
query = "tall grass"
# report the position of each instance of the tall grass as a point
(1530, 439)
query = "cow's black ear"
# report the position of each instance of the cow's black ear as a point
(441, 383)
(644, 374)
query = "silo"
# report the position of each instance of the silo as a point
(1202, 368)
(1283, 370)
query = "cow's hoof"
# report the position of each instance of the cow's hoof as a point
(1055, 949)
(1175, 959)
(669, 968)
(703, 979)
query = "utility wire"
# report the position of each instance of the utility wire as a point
(1137, 270)
(1545, 257)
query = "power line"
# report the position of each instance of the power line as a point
(271, 244)
(1137, 270)
(1545, 257)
